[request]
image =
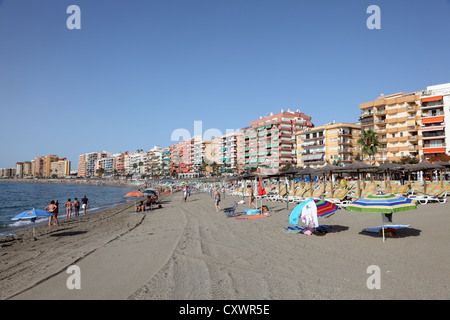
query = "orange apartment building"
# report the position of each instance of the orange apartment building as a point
(396, 118)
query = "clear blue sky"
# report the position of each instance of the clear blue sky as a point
(137, 70)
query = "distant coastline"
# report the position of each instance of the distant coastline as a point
(91, 182)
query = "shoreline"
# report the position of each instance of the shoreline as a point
(186, 250)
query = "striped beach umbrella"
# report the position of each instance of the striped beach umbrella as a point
(386, 204)
(383, 203)
(325, 208)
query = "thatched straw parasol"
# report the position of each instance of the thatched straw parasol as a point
(425, 166)
(386, 168)
(358, 167)
(328, 168)
(308, 172)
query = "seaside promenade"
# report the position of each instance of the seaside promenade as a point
(186, 250)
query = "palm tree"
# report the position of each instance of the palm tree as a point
(368, 140)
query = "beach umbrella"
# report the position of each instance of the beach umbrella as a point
(32, 215)
(386, 204)
(424, 166)
(134, 194)
(311, 209)
(358, 167)
(328, 168)
(150, 191)
(308, 172)
(387, 167)
(444, 165)
(325, 208)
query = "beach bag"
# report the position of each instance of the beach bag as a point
(308, 231)
(388, 232)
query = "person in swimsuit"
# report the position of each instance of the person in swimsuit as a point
(77, 205)
(251, 197)
(217, 200)
(84, 203)
(52, 208)
(68, 206)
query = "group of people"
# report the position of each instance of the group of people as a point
(53, 208)
(151, 200)
(251, 198)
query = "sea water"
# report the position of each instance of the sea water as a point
(16, 197)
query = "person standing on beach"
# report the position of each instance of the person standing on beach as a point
(68, 206)
(77, 205)
(251, 197)
(185, 193)
(217, 200)
(52, 208)
(84, 204)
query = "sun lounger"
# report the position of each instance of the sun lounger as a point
(400, 189)
(433, 193)
(339, 198)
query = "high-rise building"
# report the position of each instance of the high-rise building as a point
(27, 169)
(436, 120)
(269, 142)
(335, 143)
(60, 168)
(39, 164)
(396, 118)
(88, 164)
(229, 151)
(19, 169)
(181, 157)
(165, 161)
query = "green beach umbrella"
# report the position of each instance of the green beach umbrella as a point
(386, 204)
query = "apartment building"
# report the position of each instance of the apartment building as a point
(396, 118)
(335, 143)
(153, 163)
(270, 141)
(19, 169)
(199, 149)
(7, 172)
(88, 163)
(165, 161)
(181, 157)
(135, 163)
(60, 168)
(228, 150)
(435, 108)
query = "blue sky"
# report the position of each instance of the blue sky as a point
(138, 70)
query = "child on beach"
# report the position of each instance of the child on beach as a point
(68, 206)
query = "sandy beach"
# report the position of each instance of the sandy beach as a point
(189, 251)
